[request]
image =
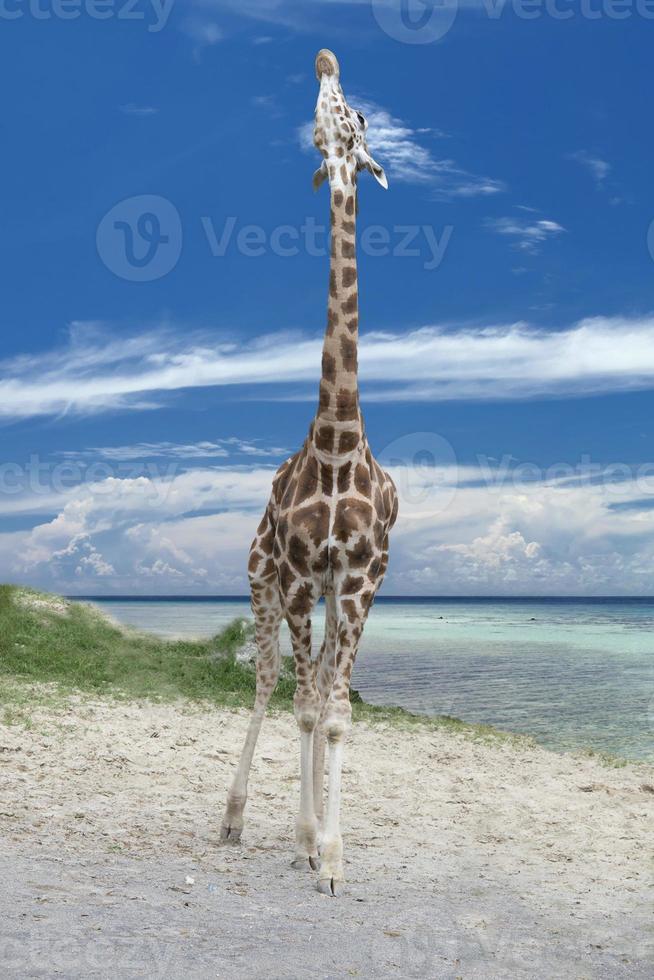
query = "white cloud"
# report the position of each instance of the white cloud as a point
(132, 109)
(528, 236)
(92, 374)
(466, 529)
(133, 529)
(203, 30)
(268, 104)
(397, 147)
(599, 169)
(296, 15)
(79, 557)
(220, 449)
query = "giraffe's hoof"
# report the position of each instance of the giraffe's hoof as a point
(334, 887)
(309, 863)
(229, 834)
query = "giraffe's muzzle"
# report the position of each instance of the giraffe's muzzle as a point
(326, 64)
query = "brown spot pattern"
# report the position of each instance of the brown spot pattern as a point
(325, 438)
(349, 276)
(351, 584)
(362, 479)
(349, 354)
(347, 404)
(298, 552)
(315, 521)
(307, 483)
(349, 607)
(348, 442)
(361, 553)
(328, 368)
(352, 514)
(302, 602)
(344, 472)
(350, 304)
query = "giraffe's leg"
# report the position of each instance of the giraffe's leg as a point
(337, 715)
(307, 710)
(325, 667)
(266, 607)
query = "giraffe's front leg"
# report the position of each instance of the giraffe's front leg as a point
(332, 877)
(325, 667)
(306, 823)
(307, 709)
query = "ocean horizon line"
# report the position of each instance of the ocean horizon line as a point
(135, 597)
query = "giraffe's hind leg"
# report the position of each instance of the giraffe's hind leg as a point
(352, 610)
(267, 610)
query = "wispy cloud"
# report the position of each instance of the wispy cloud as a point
(528, 236)
(219, 449)
(598, 169)
(268, 104)
(401, 149)
(97, 373)
(132, 109)
(203, 30)
(295, 15)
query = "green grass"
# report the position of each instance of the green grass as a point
(82, 650)
(72, 648)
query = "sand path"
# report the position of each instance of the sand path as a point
(464, 859)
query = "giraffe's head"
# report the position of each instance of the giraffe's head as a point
(340, 132)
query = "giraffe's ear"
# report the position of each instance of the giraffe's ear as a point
(366, 162)
(320, 175)
(378, 172)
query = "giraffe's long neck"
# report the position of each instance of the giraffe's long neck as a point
(339, 425)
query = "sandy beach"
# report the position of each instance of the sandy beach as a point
(464, 858)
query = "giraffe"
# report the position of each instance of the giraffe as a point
(325, 529)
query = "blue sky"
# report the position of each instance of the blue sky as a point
(507, 287)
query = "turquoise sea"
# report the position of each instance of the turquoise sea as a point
(574, 673)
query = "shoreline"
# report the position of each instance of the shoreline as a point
(236, 641)
(564, 674)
